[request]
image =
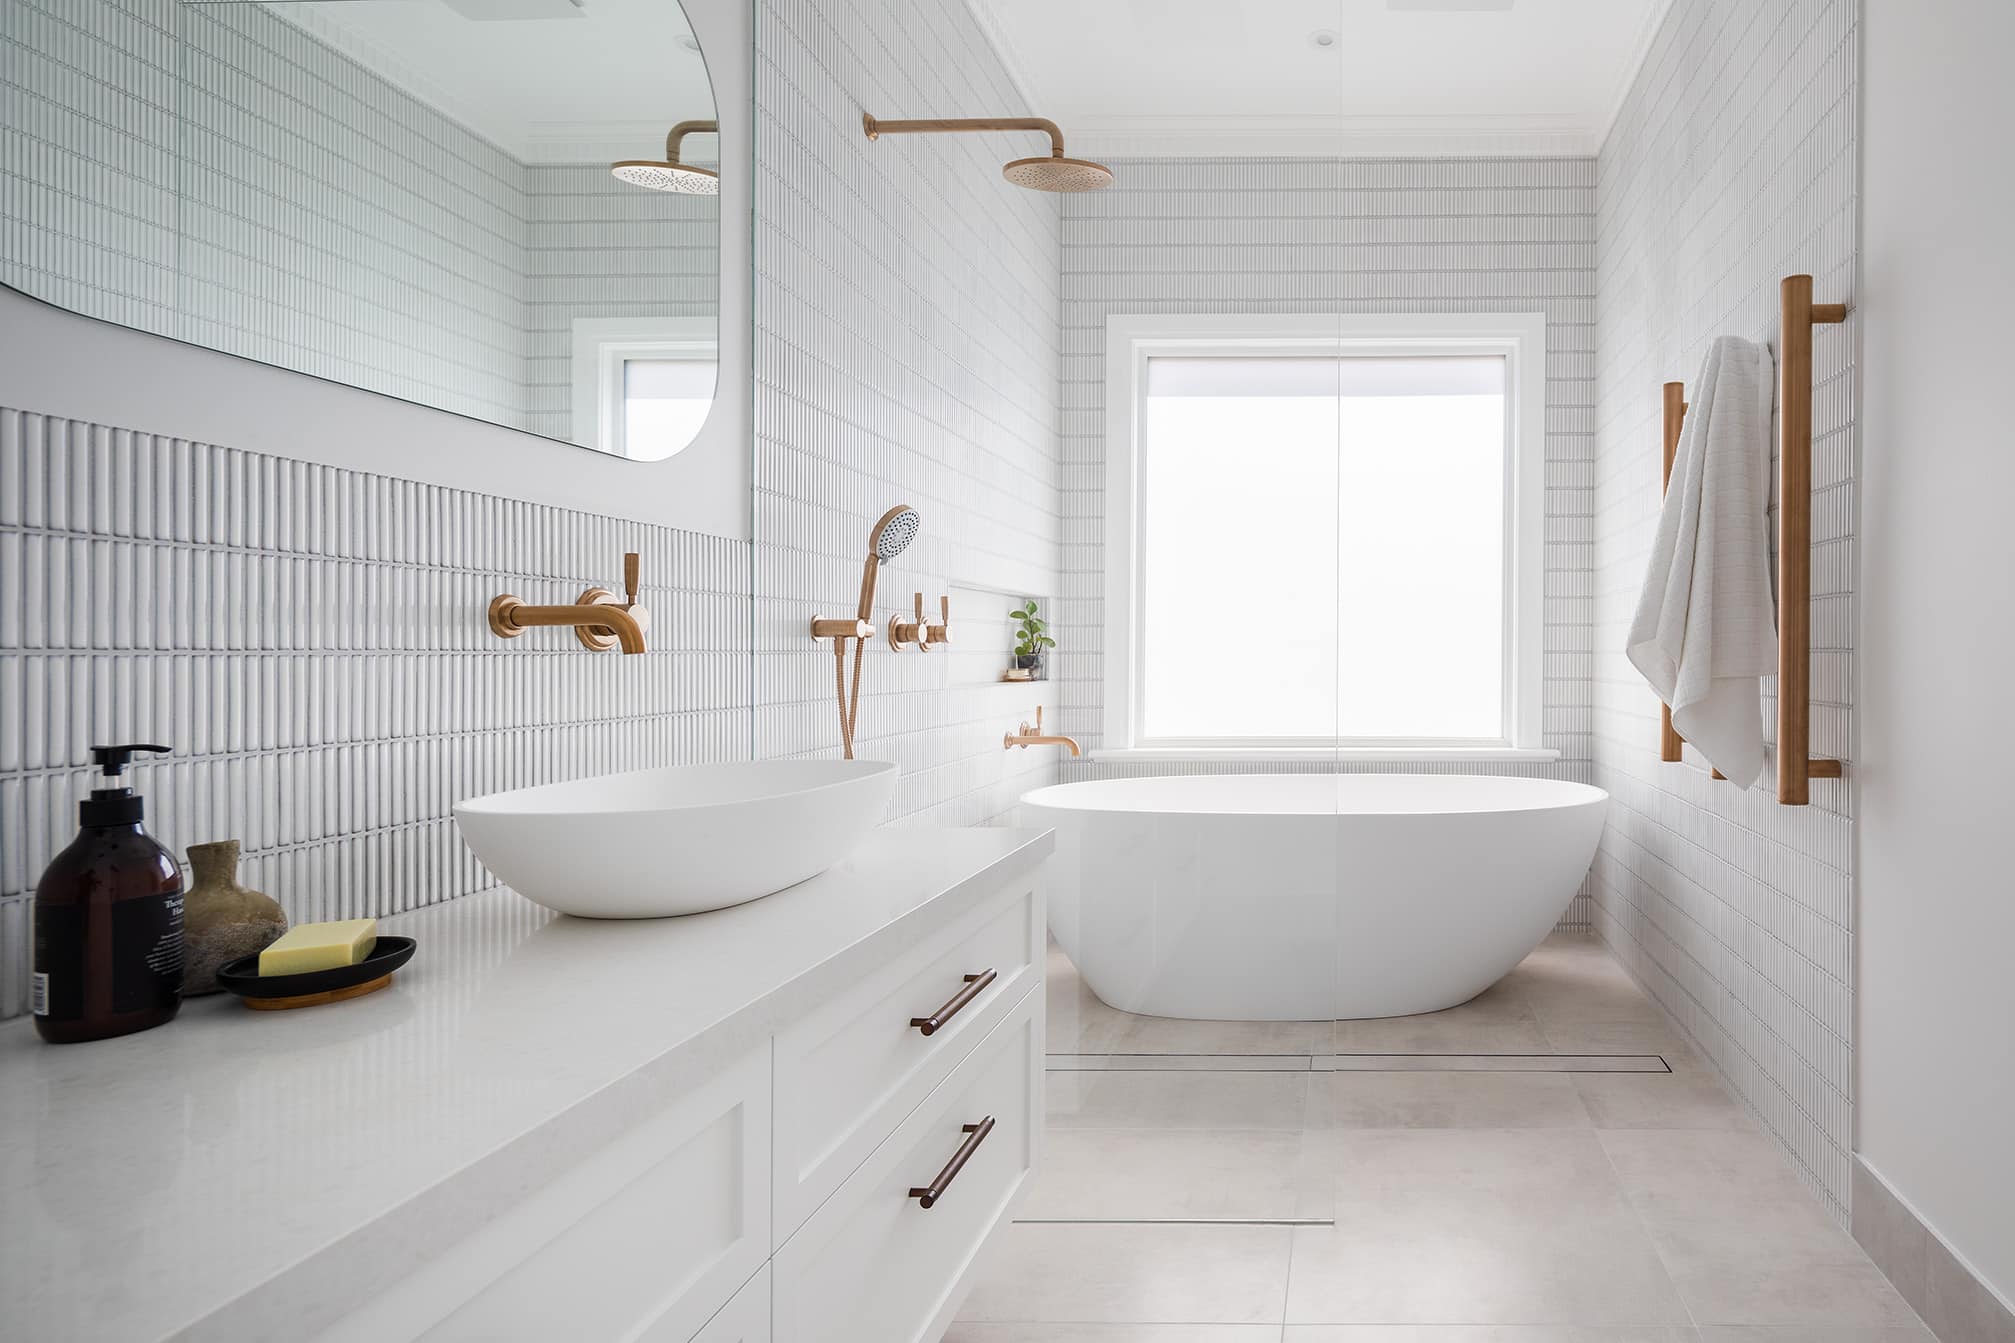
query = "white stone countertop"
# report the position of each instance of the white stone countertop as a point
(242, 1175)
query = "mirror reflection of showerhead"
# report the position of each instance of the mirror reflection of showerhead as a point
(669, 173)
(891, 536)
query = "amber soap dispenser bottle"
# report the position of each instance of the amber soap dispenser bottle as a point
(108, 920)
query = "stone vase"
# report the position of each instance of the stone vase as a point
(221, 920)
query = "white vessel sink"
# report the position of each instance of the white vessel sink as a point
(657, 842)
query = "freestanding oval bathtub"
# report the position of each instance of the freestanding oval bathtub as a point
(1308, 897)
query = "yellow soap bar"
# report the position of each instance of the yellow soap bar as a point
(319, 946)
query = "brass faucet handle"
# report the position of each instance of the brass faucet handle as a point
(941, 633)
(903, 633)
(631, 574)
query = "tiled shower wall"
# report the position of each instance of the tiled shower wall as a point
(906, 319)
(1731, 165)
(313, 643)
(194, 153)
(1338, 235)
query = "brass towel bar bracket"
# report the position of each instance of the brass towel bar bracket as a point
(1796, 766)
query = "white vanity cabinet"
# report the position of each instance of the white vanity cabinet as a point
(779, 1200)
(693, 1130)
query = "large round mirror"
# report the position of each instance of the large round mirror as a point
(421, 198)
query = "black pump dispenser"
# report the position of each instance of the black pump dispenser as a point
(108, 920)
(120, 805)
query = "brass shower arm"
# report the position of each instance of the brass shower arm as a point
(682, 130)
(877, 129)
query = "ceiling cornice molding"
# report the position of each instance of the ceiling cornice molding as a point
(1011, 59)
(1337, 137)
(1640, 52)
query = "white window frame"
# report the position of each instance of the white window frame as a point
(1520, 338)
(603, 345)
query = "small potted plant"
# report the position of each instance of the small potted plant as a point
(1031, 639)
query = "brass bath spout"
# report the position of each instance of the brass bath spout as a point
(600, 619)
(1026, 737)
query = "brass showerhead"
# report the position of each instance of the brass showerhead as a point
(668, 174)
(1054, 173)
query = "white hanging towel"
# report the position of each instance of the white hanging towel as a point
(1705, 634)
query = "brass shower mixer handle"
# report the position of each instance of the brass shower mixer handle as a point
(915, 630)
(941, 633)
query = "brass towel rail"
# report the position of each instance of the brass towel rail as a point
(1795, 765)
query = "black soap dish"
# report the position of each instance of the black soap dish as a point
(273, 992)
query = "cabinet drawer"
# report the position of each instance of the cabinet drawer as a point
(873, 1265)
(648, 1236)
(847, 1072)
(746, 1319)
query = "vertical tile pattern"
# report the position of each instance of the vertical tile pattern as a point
(313, 643)
(1731, 165)
(906, 318)
(1338, 235)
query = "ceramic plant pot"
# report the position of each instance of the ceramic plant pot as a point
(221, 920)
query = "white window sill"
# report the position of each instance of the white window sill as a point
(1353, 755)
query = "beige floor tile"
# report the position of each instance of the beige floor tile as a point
(1743, 1241)
(1484, 1226)
(1178, 1100)
(1480, 1333)
(973, 1332)
(1658, 1101)
(1496, 1021)
(1203, 1174)
(1156, 1274)
(1653, 1035)
(1455, 1100)
(1171, 1035)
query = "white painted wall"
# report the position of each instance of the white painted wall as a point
(1936, 1009)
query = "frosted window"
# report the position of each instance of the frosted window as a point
(1323, 549)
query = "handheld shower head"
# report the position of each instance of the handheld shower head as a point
(891, 536)
(895, 531)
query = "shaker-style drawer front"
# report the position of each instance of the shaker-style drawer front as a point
(847, 1072)
(887, 1258)
(650, 1235)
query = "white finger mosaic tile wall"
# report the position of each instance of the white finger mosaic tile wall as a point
(313, 643)
(1338, 235)
(1731, 165)
(906, 318)
(219, 171)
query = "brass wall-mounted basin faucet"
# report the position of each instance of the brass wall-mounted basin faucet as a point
(1026, 737)
(599, 619)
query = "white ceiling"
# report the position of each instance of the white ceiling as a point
(572, 83)
(1153, 77)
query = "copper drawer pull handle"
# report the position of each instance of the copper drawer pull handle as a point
(975, 985)
(929, 1195)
